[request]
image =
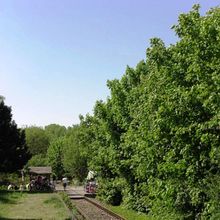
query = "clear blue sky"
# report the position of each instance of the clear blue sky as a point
(56, 56)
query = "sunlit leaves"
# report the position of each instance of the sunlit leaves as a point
(159, 131)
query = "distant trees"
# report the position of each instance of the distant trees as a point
(55, 131)
(1, 98)
(37, 140)
(55, 157)
(69, 154)
(46, 147)
(76, 151)
(38, 160)
(13, 149)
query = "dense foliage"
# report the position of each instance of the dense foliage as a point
(155, 141)
(13, 150)
(41, 140)
(37, 140)
(77, 151)
(55, 131)
(55, 157)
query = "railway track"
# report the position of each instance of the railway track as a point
(90, 209)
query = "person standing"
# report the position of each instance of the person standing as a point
(65, 181)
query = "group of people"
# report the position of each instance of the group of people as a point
(12, 186)
(41, 183)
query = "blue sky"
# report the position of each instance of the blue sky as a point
(56, 56)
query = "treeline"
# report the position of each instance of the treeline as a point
(59, 147)
(155, 142)
(52, 145)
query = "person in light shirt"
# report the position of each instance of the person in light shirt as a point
(65, 181)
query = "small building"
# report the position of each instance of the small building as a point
(40, 178)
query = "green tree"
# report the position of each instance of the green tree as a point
(38, 161)
(55, 131)
(158, 132)
(2, 98)
(37, 140)
(55, 157)
(77, 151)
(13, 149)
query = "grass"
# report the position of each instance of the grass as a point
(133, 215)
(68, 202)
(128, 214)
(35, 206)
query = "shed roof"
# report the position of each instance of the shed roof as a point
(40, 170)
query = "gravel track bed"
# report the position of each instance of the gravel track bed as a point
(91, 211)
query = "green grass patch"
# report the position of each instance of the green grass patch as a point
(68, 202)
(133, 215)
(54, 201)
(9, 198)
(128, 214)
(35, 206)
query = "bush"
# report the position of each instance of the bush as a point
(110, 191)
(7, 178)
(212, 205)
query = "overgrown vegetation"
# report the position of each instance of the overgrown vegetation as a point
(129, 214)
(8, 178)
(155, 141)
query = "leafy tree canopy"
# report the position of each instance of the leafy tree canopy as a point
(13, 150)
(37, 140)
(55, 157)
(55, 131)
(155, 141)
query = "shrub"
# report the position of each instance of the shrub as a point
(110, 191)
